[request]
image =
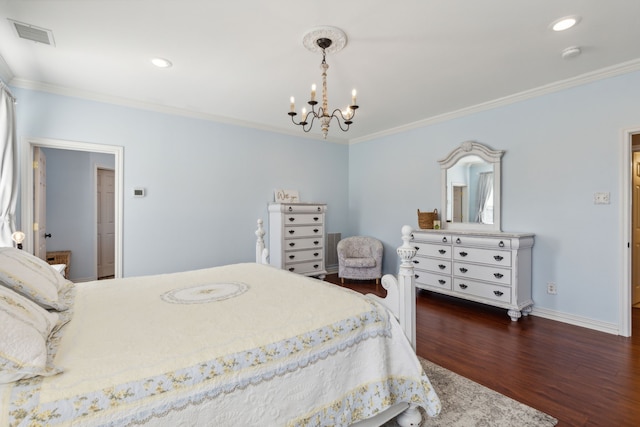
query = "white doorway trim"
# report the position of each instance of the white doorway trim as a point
(624, 318)
(26, 193)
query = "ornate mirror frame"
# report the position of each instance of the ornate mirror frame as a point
(493, 157)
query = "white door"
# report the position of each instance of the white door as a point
(459, 203)
(39, 203)
(106, 223)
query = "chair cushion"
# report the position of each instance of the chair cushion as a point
(360, 262)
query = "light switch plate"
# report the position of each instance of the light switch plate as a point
(601, 198)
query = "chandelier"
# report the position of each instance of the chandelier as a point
(324, 39)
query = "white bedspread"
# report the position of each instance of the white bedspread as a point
(238, 345)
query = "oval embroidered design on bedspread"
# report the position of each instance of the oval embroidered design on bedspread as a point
(205, 293)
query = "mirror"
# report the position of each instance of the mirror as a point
(471, 188)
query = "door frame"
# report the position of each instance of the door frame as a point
(625, 298)
(26, 193)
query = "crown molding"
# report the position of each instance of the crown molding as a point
(6, 75)
(603, 73)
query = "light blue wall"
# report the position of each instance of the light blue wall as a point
(206, 182)
(560, 149)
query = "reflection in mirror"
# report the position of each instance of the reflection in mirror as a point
(471, 187)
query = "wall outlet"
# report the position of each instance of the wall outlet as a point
(601, 198)
(552, 289)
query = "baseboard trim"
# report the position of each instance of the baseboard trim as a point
(610, 328)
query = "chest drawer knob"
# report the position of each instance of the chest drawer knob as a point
(444, 240)
(290, 209)
(417, 248)
(463, 254)
(292, 256)
(292, 244)
(442, 251)
(319, 209)
(442, 266)
(316, 266)
(442, 282)
(501, 244)
(292, 219)
(463, 286)
(498, 293)
(463, 270)
(291, 269)
(316, 243)
(458, 241)
(498, 275)
(292, 231)
(315, 230)
(498, 258)
(417, 276)
(415, 261)
(315, 218)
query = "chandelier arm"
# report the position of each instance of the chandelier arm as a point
(334, 116)
(310, 123)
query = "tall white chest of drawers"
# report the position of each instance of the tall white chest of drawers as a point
(490, 268)
(297, 237)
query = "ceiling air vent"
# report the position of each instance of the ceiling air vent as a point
(33, 33)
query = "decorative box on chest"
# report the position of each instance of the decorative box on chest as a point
(297, 237)
(491, 268)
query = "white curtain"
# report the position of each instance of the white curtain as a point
(485, 185)
(8, 166)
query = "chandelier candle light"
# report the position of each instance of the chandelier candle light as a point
(325, 39)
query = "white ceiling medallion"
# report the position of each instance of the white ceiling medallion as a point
(336, 35)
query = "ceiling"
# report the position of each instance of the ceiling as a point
(411, 61)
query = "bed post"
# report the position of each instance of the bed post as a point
(262, 253)
(401, 291)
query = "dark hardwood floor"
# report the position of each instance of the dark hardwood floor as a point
(580, 376)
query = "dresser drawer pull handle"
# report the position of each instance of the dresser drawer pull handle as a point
(463, 270)
(315, 230)
(319, 209)
(417, 248)
(292, 231)
(501, 244)
(442, 282)
(316, 254)
(463, 286)
(316, 243)
(290, 209)
(316, 266)
(463, 254)
(498, 275)
(415, 261)
(292, 256)
(458, 241)
(315, 218)
(416, 276)
(498, 293)
(292, 244)
(442, 251)
(291, 269)
(498, 258)
(442, 266)
(444, 240)
(291, 219)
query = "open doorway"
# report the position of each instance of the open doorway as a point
(95, 151)
(635, 221)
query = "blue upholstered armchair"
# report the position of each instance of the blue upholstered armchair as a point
(360, 258)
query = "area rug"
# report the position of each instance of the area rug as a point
(468, 404)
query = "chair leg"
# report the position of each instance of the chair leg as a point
(377, 281)
(342, 280)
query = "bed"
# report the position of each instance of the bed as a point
(237, 345)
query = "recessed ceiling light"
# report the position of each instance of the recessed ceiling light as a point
(161, 62)
(564, 23)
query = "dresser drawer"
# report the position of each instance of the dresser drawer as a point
(306, 243)
(431, 279)
(482, 272)
(305, 267)
(486, 242)
(484, 256)
(303, 231)
(302, 219)
(483, 290)
(433, 250)
(435, 265)
(302, 208)
(432, 238)
(299, 256)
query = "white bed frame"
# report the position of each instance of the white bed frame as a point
(400, 301)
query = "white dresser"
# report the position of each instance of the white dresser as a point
(489, 267)
(297, 237)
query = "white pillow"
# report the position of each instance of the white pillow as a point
(23, 337)
(32, 277)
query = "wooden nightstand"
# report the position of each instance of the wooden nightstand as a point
(60, 257)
